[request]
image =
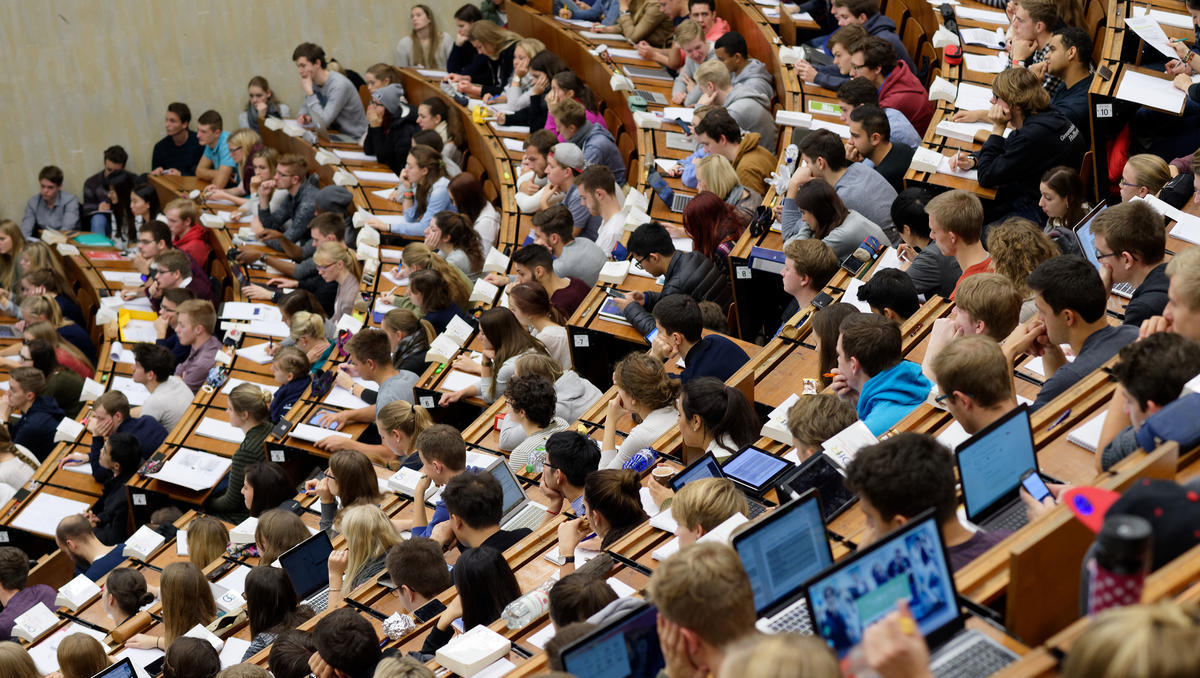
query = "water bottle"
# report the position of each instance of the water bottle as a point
(790, 155)
(641, 460)
(520, 612)
(1117, 571)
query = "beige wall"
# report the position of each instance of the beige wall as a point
(81, 75)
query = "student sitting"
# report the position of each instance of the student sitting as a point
(517, 90)
(503, 341)
(121, 456)
(987, 304)
(369, 535)
(475, 501)
(17, 466)
(714, 173)
(272, 606)
(563, 166)
(931, 271)
(859, 91)
(434, 115)
(815, 210)
(872, 372)
(167, 322)
(573, 394)
(702, 505)
(594, 140)
(614, 510)
(871, 137)
(860, 188)
(451, 234)
(39, 414)
(815, 418)
(731, 50)
(95, 202)
(266, 486)
(808, 266)
(76, 537)
(1144, 174)
(1071, 300)
(534, 263)
(891, 294)
(543, 68)
(173, 268)
(573, 599)
(532, 308)
(169, 396)
(443, 455)
(62, 384)
(713, 226)
(745, 104)
(1064, 204)
(297, 210)
(196, 321)
(1151, 373)
(179, 151)
(418, 569)
(531, 179)
(865, 13)
(187, 233)
(429, 292)
(1068, 59)
(485, 584)
(248, 410)
(554, 229)
(975, 380)
(423, 191)
(644, 389)
(716, 418)
(52, 207)
(834, 75)
(497, 45)
(1182, 314)
(43, 308)
(426, 46)
(570, 458)
(531, 406)
(409, 337)
(331, 101)
(691, 44)
(1033, 23)
(904, 475)
(956, 227)
(678, 321)
(703, 595)
(292, 372)
(876, 60)
(1130, 240)
(689, 273)
(278, 531)
(390, 127)
(1042, 138)
(307, 331)
(217, 165)
(720, 134)
(261, 103)
(346, 645)
(467, 195)
(15, 594)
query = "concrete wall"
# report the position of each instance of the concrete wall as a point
(81, 75)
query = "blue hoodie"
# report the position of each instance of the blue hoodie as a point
(889, 396)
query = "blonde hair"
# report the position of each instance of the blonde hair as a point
(306, 325)
(201, 312)
(369, 535)
(817, 417)
(1017, 246)
(992, 298)
(959, 212)
(687, 31)
(783, 655)
(187, 600)
(246, 138)
(401, 415)
(1150, 171)
(81, 656)
(251, 401)
(1139, 641)
(539, 365)
(1184, 271)
(8, 262)
(532, 47)
(187, 209)
(492, 35)
(402, 667)
(41, 255)
(713, 72)
(976, 366)
(404, 320)
(42, 329)
(717, 173)
(418, 255)
(708, 502)
(207, 539)
(16, 661)
(331, 252)
(704, 588)
(43, 306)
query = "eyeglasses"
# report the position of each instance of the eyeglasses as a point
(234, 148)
(946, 396)
(1126, 183)
(1100, 255)
(638, 262)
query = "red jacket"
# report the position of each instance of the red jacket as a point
(195, 243)
(904, 92)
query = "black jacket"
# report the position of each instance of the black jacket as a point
(689, 273)
(1150, 298)
(464, 59)
(533, 115)
(1014, 165)
(497, 72)
(113, 511)
(390, 145)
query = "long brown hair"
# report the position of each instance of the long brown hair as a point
(507, 337)
(277, 531)
(435, 294)
(614, 494)
(826, 323)
(81, 656)
(644, 378)
(534, 301)
(458, 231)
(207, 539)
(418, 255)
(8, 262)
(187, 600)
(431, 160)
(418, 51)
(819, 199)
(355, 477)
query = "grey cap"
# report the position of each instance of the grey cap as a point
(568, 155)
(391, 97)
(334, 199)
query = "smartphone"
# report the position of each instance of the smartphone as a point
(614, 292)
(822, 300)
(429, 610)
(1034, 485)
(1104, 72)
(687, 129)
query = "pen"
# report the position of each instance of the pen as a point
(1061, 418)
(829, 375)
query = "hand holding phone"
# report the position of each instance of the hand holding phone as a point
(1033, 483)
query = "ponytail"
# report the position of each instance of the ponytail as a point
(726, 414)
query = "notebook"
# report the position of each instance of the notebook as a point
(909, 564)
(990, 465)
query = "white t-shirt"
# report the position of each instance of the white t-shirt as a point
(554, 337)
(610, 232)
(169, 402)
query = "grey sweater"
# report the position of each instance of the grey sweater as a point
(336, 106)
(752, 111)
(844, 239)
(581, 258)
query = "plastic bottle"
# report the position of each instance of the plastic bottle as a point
(641, 460)
(520, 612)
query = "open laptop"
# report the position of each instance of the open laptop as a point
(651, 97)
(519, 510)
(990, 466)
(780, 553)
(680, 201)
(120, 669)
(1083, 231)
(708, 467)
(909, 564)
(307, 564)
(625, 647)
(818, 472)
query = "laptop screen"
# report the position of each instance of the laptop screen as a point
(821, 474)
(704, 467)
(910, 564)
(753, 467)
(783, 551)
(992, 461)
(508, 482)
(308, 564)
(1086, 240)
(121, 669)
(627, 649)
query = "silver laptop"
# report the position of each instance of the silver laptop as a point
(519, 510)
(651, 97)
(991, 464)
(307, 564)
(680, 201)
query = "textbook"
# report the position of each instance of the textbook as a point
(77, 593)
(243, 532)
(614, 272)
(32, 623)
(473, 651)
(143, 543)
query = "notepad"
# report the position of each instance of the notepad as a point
(234, 381)
(131, 278)
(1166, 18)
(193, 469)
(134, 392)
(256, 353)
(45, 653)
(314, 434)
(1149, 90)
(241, 310)
(457, 380)
(973, 97)
(511, 129)
(377, 176)
(353, 155)
(1087, 435)
(989, 16)
(220, 430)
(45, 511)
(340, 397)
(985, 63)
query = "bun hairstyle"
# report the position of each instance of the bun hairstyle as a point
(127, 586)
(644, 378)
(613, 493)
(251, 401)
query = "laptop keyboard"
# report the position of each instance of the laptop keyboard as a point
(529, 516)
(1012, 519)
(792, 619)
(652, 97)
(1123, 290)
(974, 659)
(319, 601)
(756, 509)
(680, 201)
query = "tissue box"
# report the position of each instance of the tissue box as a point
(793, 119)
(646, 120)
(473, 651)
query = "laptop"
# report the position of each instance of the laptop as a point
(708, 467)
(780, 553)
(121, 669)
(818, 472)
(651, 97)
(755, 470)
(1087, 242)
(307, 564)
(990, 466)
(680, 201)
(519, 510)
(909, 564)
(625, 647)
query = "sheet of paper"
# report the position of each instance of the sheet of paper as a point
(953, 436)
(377, 176)
(134, 392)
(314, 433)
(985, 63)
(576, 22)
(1151, 33)
(623, 53)
(121, 354)
(497, 669)
(1165, 18)
(513, 144)
(395, 279)
(944, 168)
(511, 129)
(1149, 90)
(842, 131)
(458, 380)
(673, 112)
(232, 652)
(353, 155)
(1087, 435)
(193, 469)
(124, 277)
(45, 511)
(220, 430)
(889, 259)
(542, 637)
(136, 331)
(235, 579)
(241, 310)
(234, 381)
(256, 353)
(982, 36)
(851, 296)
(666, 164)
(973, 97)
(987, 16)
(340, 397)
